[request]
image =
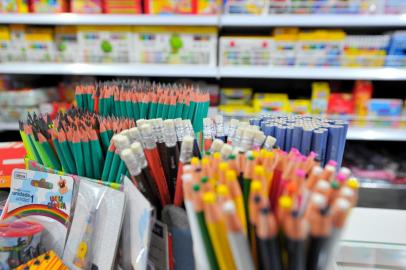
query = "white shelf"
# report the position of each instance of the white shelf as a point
(326, 73)
(108, 19)
(109, 69)
(208, 20)
(313, 20)
(379, 134)
(8, 126)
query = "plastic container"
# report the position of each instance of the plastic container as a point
(19, 242)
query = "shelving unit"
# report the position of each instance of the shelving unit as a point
(109, 69)
(8, 126)
(383, 74)
(376, 134)
(313, 20)
(388, 74)
(108, 19)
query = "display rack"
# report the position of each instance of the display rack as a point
(313, 20)
(388, 74)
(383, 74)
(108, 19)
(376, 134)
(109, 69)
(209, 20)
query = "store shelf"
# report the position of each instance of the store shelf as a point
(313, 20)
(8, 126)
(379, 134)
(107, 19)
(326, 73)
(109, 69)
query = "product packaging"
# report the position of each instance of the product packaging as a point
(95, 231)
(11, 156)
(245, 51)
(122, 7)
(46, 261)
(49, 6)
(340, 103)
(40, 44)
(385, 107)
(44, 198)
(105, 44)
(256, 7)
(66, 43)
(285, 48)
(271, 102)
(320, 96)
(86, 6)
(175, 45)
(362, 94)
(300, 106)
(137, 226)
(236, 96)
(14, 6)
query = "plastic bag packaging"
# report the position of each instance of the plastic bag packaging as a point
(96, 226)
(38, 200)
(136, 232)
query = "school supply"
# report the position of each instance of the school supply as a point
(290, 200)
(46, 261)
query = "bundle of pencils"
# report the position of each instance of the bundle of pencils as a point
(75, 142)
(144, 100)
(265, 209)
(307, 134)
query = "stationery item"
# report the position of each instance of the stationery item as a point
(66, 44)
(236, 96)
(12, 156)
(135, 240)
(385, 107)
(105, 44)
(20, 241)
(88, 7)
(184, 45)
(41, 6)
(320, 97)
(245, 51)
(45, 198)
(245, 7)
(95, 201)
(306, 208)
(46, 261)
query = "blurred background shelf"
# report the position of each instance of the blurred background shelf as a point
(108, 19)
(109, 69)
(313, 20)
(331, 73)
(380, 134)
(8, 126)
(272, 20)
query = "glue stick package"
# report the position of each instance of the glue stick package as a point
(96, 225)
(42, 198)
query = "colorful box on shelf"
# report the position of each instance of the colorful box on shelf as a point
(175, 45)
(256, 7)
(86, 6)
(325, 7)
(11, 156)
(264, 102)
(340, 103)
(320, 48)
(14, 6)
(236, 96)
(40, 44)
(361, 51)
(182, 7)
(300, 106)
(66, 43)
(285, 47)
(362, 94)
(246, 51)
(105, 44)
(320, 97)
(48, 6)
(122, 6)
(385, 107)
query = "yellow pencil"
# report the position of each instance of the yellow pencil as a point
(218, 232)
(237, 197)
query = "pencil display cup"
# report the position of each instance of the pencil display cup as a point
(19, 242)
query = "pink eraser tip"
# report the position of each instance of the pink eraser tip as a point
(303, 158)
(341, 177)
(300, 173)
(312, 154)
(332, 163)
(294, 150)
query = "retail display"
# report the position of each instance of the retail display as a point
(110, 44)
(315, 48)
(257, 7)
(12, 156)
